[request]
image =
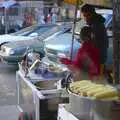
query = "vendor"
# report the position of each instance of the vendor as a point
(88, 57)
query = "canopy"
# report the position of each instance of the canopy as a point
(74, 2)
(10, 3)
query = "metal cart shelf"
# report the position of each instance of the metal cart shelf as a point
(29, 98)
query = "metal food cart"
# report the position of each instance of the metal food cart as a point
(31, 99)
(37, 95)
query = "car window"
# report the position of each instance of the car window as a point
(80, 24)
(25, 30)
(65, 38)
(39, 30)
(110, 25)
(52, 31)
(107, 17)
(34, 29)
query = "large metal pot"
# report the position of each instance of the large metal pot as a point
(80, 106)
(87, 109)
(105, 110)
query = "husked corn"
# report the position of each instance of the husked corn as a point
(93, 87)
(109, 87)
(87, 88)
(78, 89)
(111, 98)
(94, 91)
(80, 83)
(83, 88)
(106, 93)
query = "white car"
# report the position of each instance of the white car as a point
(13, 52)
(8, 38)
(28, 33)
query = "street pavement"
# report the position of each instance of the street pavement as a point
(8, 99)
(9, 112)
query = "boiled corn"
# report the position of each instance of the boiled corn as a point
(106, 94)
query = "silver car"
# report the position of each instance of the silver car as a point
(13, 52)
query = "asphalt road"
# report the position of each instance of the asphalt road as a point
(7, 84)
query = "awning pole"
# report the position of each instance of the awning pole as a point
(73, 31)
(5, 21)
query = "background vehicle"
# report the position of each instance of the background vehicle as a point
(14, 51)
(26, 33)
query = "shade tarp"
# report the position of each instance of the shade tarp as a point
(74, 2)
(10, 3)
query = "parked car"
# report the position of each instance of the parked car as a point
(13, 52)
(26, 33)
(60, 45)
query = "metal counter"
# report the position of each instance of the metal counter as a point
(30, 99)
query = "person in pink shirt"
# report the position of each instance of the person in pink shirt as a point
(88, 56)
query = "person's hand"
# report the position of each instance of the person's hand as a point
(65, 61)
(73, 68)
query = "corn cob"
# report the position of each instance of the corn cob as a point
(93, 87)
(78, 89)
(94, 91)
(79, 83)
(78, 86)
(106, 93)
(111, 98)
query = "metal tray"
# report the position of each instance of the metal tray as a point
(45, 84)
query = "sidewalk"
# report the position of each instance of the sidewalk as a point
(9, 112)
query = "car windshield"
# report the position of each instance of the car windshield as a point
(36, 29)
(63, 37)
(79, 25)
(51, 31)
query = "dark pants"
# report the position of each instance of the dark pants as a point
(103, 56)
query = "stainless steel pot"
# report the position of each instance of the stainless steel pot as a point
(87, 109)
(80, 106)
(106, 110)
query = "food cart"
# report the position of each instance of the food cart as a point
(44, 100)
(38, 94)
